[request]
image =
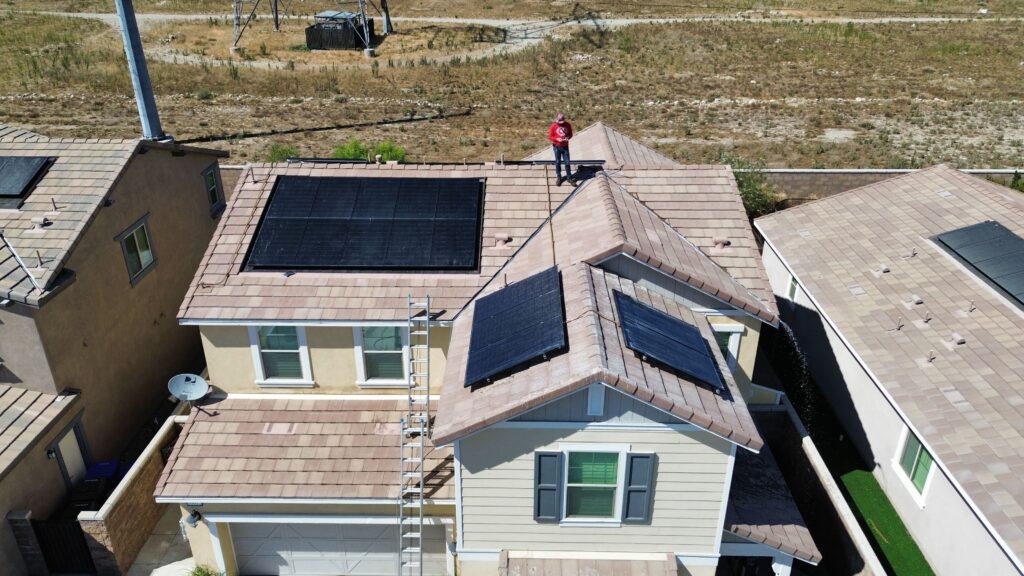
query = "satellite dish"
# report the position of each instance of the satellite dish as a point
(188, 387)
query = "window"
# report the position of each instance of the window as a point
(214, 190)
(280, 355)
(137, 246)
(793, 285)
(70, 450)
(585, 484)
(728, 336)
(592, 482)
(595, 399)
(381, 355)
(915, 462)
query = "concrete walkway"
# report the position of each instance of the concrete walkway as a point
(166, 553)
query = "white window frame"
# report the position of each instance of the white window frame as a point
(920, 498)
(622, 450)
(735, 332)
(361, 380)
(122, 239)
(216, 208)
(257, 362)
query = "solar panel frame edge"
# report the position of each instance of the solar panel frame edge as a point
(718, 386)
(942, 240)
(17, 200)
(249, 266)
(474, 381)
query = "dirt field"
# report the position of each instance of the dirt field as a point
(560, 8)
(792, 94)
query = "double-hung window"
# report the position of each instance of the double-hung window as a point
(280, 355)
(381, 353)
(214, 189)
(137, 247)
(915, 462)
(593, 484)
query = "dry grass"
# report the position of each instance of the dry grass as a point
(791, 94)
(260, 44)
(560, 8)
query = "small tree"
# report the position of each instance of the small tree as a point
(281, 152)
(1017, 183)
(351, 150)
(389, 152)
(758, 194)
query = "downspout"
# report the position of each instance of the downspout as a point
(148, 114)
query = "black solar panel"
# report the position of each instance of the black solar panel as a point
(662, 339)
(18, 174)
(409, 224)
(995, 252)
(516, 326)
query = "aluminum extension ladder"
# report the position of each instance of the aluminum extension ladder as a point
(414, 433)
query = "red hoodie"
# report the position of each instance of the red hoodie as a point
(559, 134)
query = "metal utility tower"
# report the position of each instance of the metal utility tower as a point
(238, 9)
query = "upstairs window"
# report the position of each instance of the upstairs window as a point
(214, 189)
(600, 484)
(280, 356)
(381, 355)
(592, 483)
(137, 247)
(915, 462)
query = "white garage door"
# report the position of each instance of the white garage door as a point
(322, 549)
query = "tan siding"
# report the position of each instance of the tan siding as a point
(332, 360)
(747, 356)
(497, 492)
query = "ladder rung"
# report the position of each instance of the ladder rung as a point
(411, 549)
(412, 489)
(412, 535)
(411, 475)
(411, 521)
(419, 400)
(412, 460)
(415, 430)
(419, 332)
(419, 360)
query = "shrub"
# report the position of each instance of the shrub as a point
(203, 94)
(280, 153)
(203, 571)
(352, 150)
(1017, 183)
(758, 194)
(389, 152)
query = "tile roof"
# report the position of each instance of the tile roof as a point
(596, 354)
(967, 404)
(68, 196)
(77, 182)
(701, 202)
(25, 415)
(761, 507)
(287, 448)
(602, 142)
(512, 565)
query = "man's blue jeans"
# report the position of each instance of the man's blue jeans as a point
(562, 154)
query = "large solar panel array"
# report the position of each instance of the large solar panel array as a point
(995, 252)
(408, 224)
(516, 326)
(18, 175)
(665, 340)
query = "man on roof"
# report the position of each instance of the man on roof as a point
(559, 135)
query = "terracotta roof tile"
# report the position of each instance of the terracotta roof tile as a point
(318, 448)
(25, 415)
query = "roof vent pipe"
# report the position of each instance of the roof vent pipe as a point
(140, 74)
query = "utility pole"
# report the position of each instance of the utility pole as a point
(144, 98)
(277, 21)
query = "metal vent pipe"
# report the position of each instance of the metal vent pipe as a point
(148, 114)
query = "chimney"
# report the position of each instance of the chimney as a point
(140, 74)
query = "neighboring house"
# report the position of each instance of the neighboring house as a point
(97, 241)
(908, 298)
(293, 466)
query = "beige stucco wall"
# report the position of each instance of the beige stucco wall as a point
(497, 467)
(332, 359)
(118, 343)
(21, 350)
(33, 483)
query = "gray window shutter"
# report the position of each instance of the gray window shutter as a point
(547, 486)
(636, 497)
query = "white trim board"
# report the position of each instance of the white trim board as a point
(316, 519)
(726, 489)
(896, 408)
(197, 502)
(348, 323)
